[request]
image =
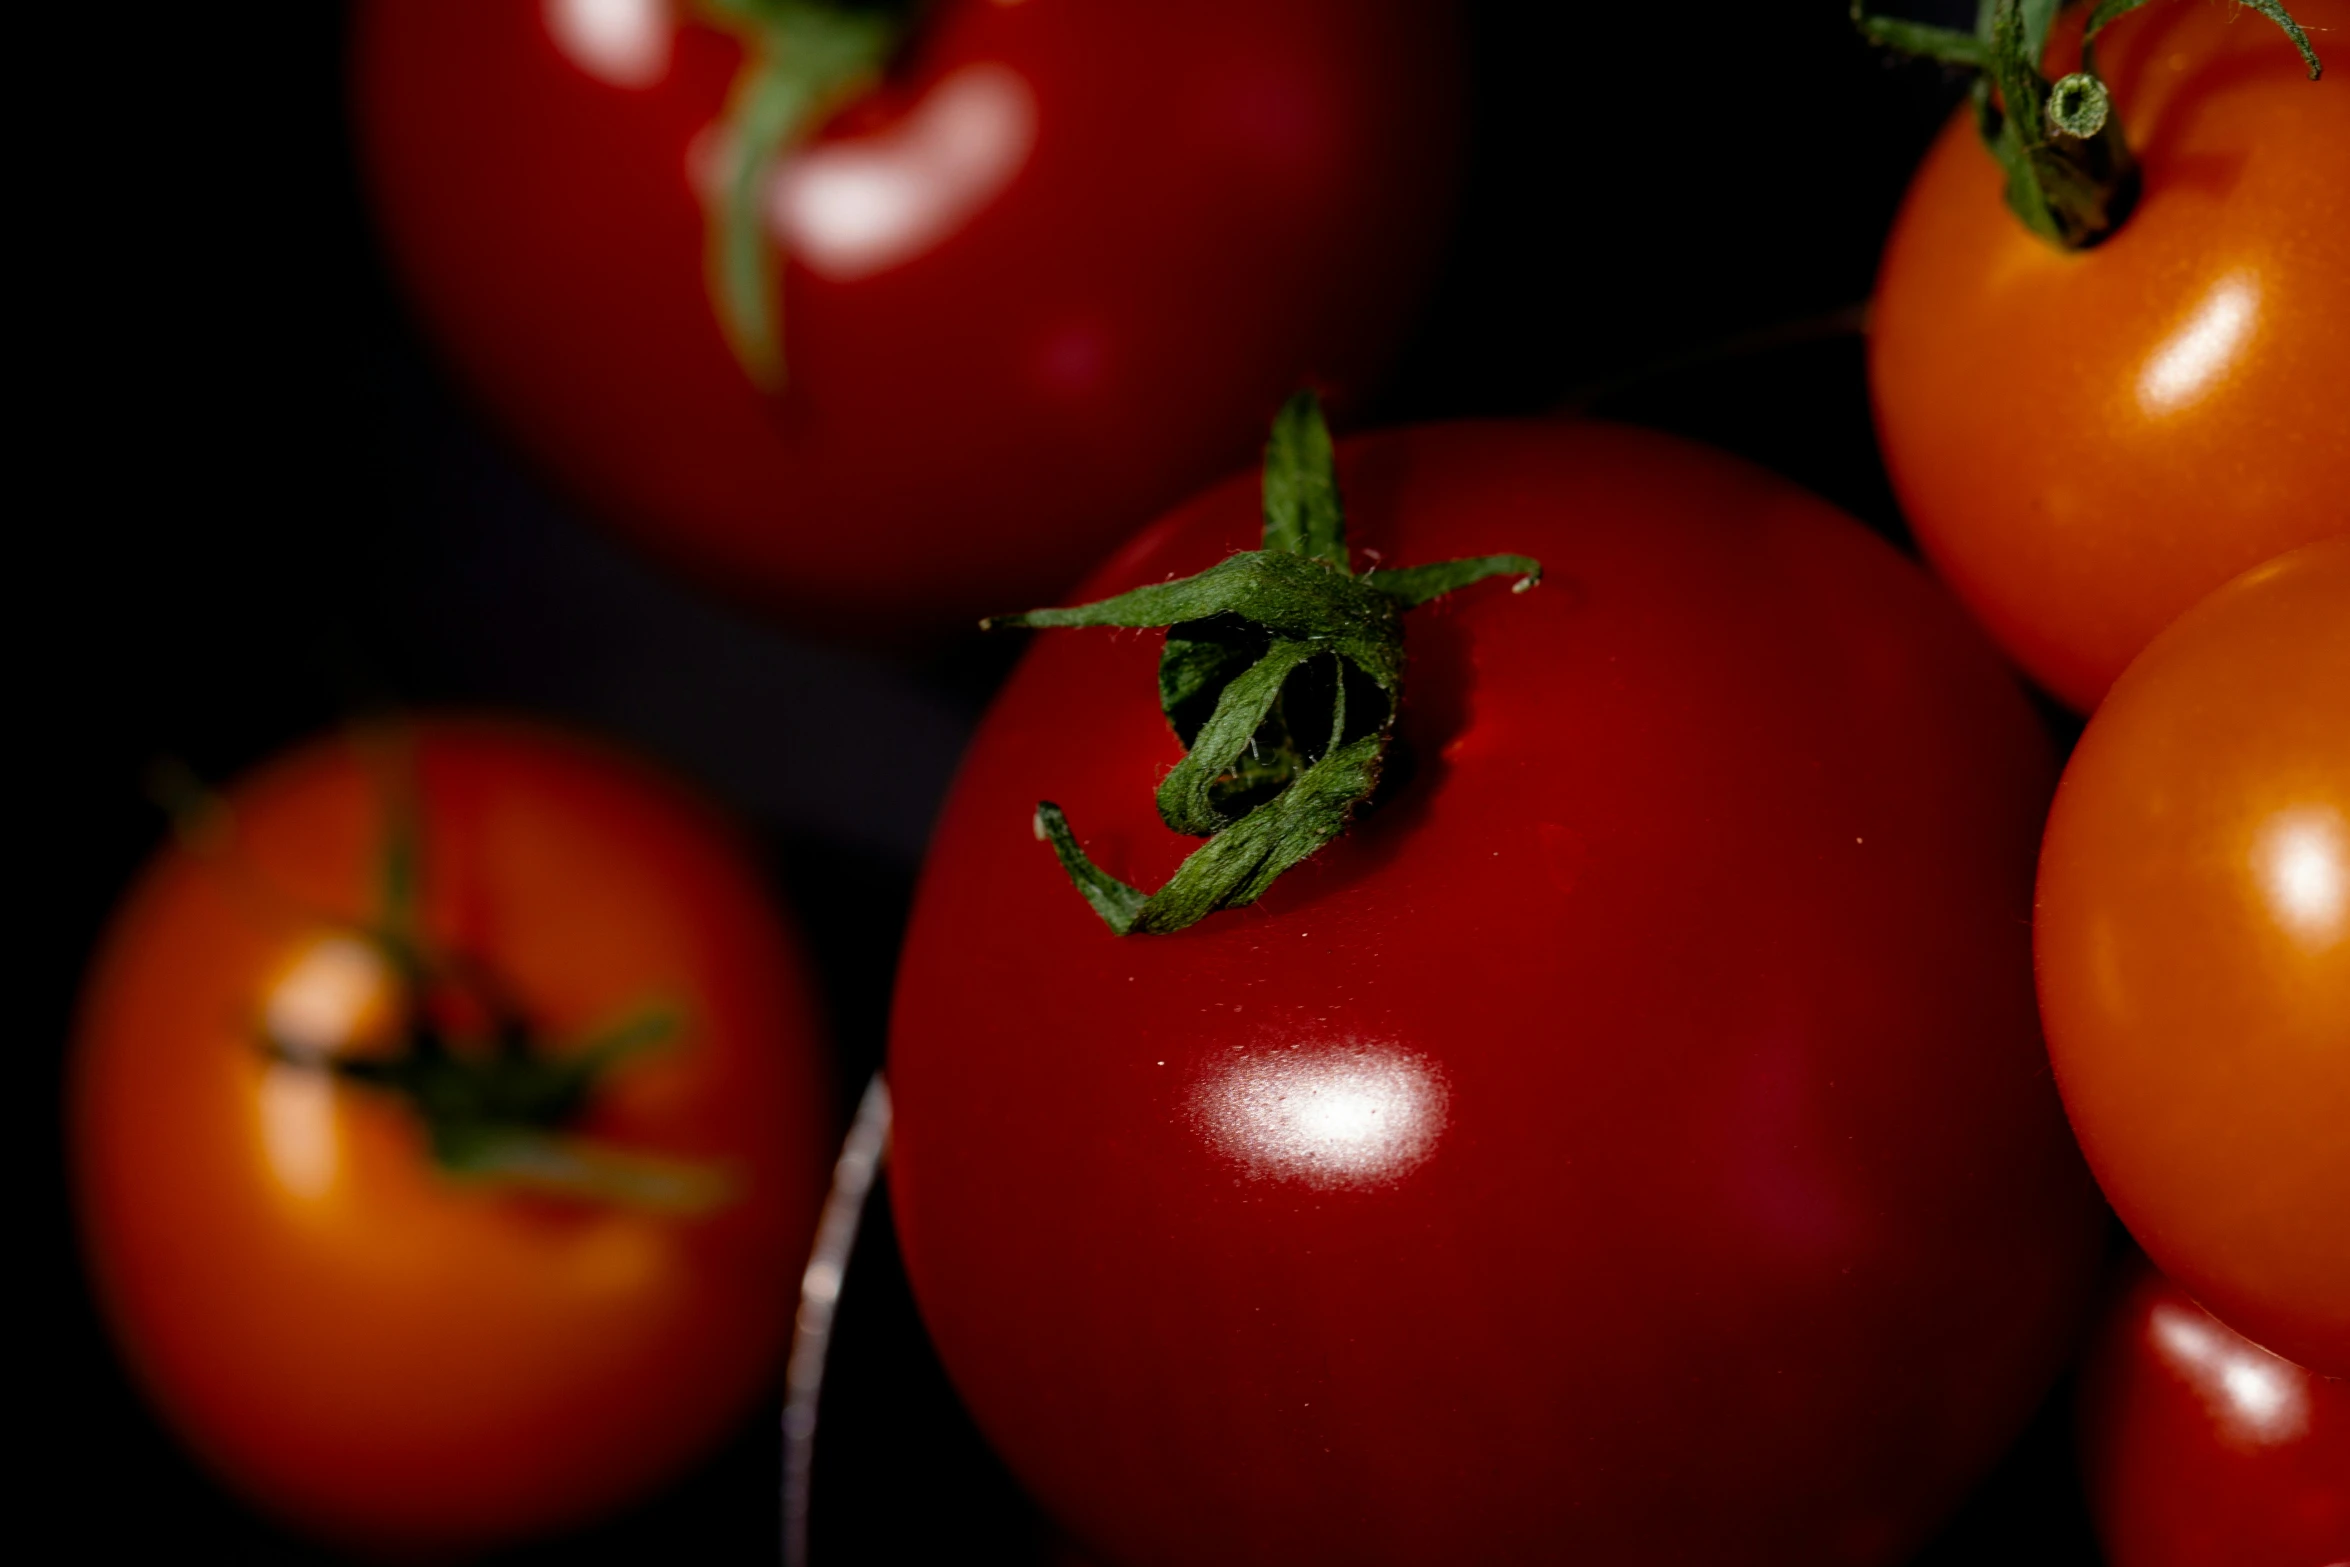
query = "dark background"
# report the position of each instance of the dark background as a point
(258, 506)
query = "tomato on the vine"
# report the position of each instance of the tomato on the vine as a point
(1022, 283)
(448, 1116)
(2194, 952)
(2087, 442)
(2201, 1449)
(1628, 1142)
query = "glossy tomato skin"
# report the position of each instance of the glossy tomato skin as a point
(1058, 271)
(2194, 951)
(2088, 443)
(2201, 1449)
(1629, 1143)
(357, 1342)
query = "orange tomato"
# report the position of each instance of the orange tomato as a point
(373, 1345)
(2087, 443)
(2194, 952)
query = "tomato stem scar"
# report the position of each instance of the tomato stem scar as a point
(1281, 674)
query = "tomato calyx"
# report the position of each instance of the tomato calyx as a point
(1281, 674)
(2070, 174)
(495, 1106)
(802, 59)
(378, 1006)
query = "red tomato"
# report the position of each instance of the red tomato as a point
(358, 1339)
(1055, 272)
(2194, 950)
(1629, 1143)
(2201, 1449)
(2087, 443)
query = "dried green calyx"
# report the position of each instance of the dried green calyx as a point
(1282, 674)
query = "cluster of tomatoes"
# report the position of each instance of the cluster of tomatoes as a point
(1395, 1069)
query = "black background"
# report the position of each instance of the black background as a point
(257, 506)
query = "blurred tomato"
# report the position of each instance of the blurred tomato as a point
(2201, 1449)
(384, 1289)
(2086, 443)
(2194, 952)
(1628, 1143)
(1056, 269)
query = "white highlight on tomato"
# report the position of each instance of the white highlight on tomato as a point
(622, 43)
(297, 1105)
(1332, 1116)
(2257, 1397)
(332, 993)
(850, 208)
(2187, 362)
(337, 991)
(2302, 857)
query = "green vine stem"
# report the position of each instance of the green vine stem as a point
(2070, 175)
(1281, 674)
(801, 60)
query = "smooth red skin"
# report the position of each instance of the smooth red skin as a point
(2177, 1475)
(1753, 1230)
(1226, 199)
(402, 1361)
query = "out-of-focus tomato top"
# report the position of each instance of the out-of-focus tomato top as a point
(1056, 271)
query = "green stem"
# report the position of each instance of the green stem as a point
(1282, 673)
(2070, 175)
(389, 753)
(801, 60)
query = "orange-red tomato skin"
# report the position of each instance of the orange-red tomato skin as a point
(2193, 943)
(355, 1340)
(2087, 443)
(2199, 1449)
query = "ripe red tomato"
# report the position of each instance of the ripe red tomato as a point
(2087, 443)
(2201, 1449)
(2194, 952)
(1628, 1143)
(1054, 272)
(353, 1333)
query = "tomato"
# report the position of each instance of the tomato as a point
(355, 1336)
(2201, 1449)
(1051, 274)
(1629, 1142)
(2086, 443)
(2194, 952)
